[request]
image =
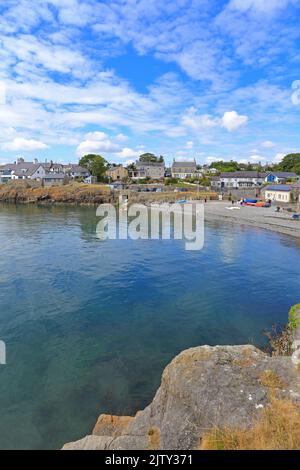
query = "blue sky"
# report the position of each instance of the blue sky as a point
(204, 79)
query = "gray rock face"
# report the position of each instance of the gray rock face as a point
(201, 388)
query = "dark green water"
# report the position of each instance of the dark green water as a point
(90, 325)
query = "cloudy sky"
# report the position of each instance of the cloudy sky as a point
(183, 78)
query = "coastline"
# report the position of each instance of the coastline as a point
(204, 389)
(265, 218)
(76, 194)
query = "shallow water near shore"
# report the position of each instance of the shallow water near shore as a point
(90, 325)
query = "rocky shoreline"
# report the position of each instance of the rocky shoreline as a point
(81, 194)
(70, 194)
(202, 388)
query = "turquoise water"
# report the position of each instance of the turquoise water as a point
(90, 325)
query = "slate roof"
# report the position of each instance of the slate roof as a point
(184, 165)
(243, 174)
(283, 174)
(278, 187)
(54, 176)
(142, 164)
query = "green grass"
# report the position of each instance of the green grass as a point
(294, 319)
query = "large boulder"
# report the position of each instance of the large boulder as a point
(201, 388)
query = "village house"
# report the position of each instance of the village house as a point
(47, 173)
(54, 179)
(75, 171)
(280, 177)
(238, 179)
(278, 192)
(183, 170)
(151, 170)
(116, 173)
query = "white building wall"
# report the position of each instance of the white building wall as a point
(278, 196)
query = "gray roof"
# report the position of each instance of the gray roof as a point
(76, 168)
(142, 164)
(284, 174)
(184, 165)
(54, 176)
(243, 174)
(9, 166)
(296, 185)
(24, 169)
(278, 187)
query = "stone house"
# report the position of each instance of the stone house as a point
(151, 170)
(183, 170)
(116, 173)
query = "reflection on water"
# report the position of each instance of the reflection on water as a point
(89, 325)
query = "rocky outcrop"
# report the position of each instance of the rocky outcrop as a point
(201, 388)
(31, 192)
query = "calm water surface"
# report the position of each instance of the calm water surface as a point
(90, 325)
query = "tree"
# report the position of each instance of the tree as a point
(150, 157)
(297, 168)
(222, 166)
(290, 162)
(96, 164)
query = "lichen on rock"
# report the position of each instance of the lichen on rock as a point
(201, 389)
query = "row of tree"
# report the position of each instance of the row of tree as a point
(290, 163)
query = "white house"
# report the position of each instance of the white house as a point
(278, 193)
(280, 176)
(75, 171)
(47, 174)
(239, 179)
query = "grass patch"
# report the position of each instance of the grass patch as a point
(294, 317)
(278, 429)
(270, 380)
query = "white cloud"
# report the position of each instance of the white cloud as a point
(232, 120)
(100, 142)
(27, 48)
(53, 62)
(210, 160)
(189, 144)
(256, 158)
(278, 157)
(128, 153)
(96, 142)
(128, 162)
(121, 137)
(26, 145)
(268, 144)
(198, 121)
(260, 5)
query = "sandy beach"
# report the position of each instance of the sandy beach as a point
(266, 218)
